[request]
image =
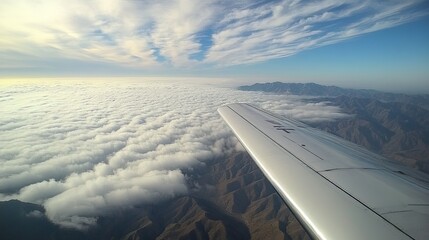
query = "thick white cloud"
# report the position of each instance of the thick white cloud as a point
(152, 33)
(299, 108)
(82, 148)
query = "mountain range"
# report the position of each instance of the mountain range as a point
(313, 89)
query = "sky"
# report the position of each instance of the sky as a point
(359, 44)
(87, 148)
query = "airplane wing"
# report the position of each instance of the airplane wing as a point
(336, 189)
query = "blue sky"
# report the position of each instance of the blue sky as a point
(359, 44)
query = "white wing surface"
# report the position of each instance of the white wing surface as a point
(336, 189)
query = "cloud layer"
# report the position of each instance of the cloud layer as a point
(82, 149)
(185, 33)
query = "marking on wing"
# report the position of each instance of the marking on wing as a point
(279, 126)
(349, 168)
(283, 128)
(401, 211)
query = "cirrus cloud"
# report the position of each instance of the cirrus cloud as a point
(185, 33)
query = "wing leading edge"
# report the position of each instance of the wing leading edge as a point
(335, 188)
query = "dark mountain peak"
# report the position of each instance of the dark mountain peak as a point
(18, 208)
(22, 220)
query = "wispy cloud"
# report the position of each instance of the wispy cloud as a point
(185, 33)
(82, 149)
(285, 28)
